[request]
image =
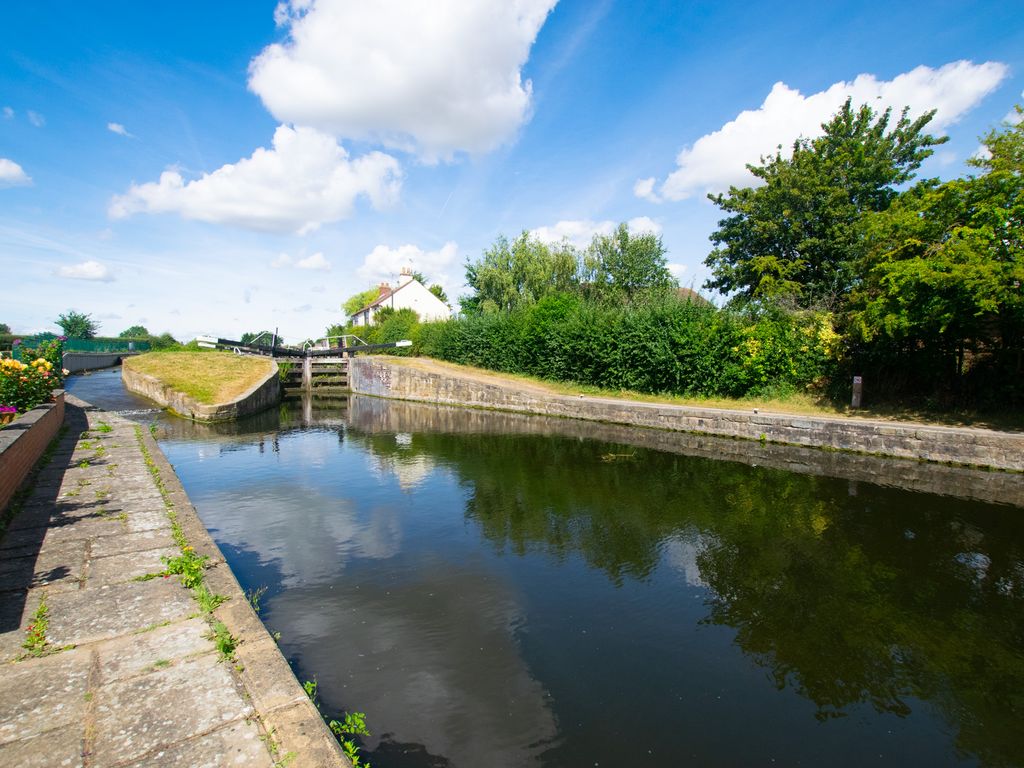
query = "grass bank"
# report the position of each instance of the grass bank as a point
(208, 377)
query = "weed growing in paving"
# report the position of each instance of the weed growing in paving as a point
(254, 595)
(104, 427)
(188, 565)
(223, 640)
(35, 640)
(353, 724)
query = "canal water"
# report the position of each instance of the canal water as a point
(500, 590)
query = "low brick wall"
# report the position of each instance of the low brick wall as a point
(420, 381)
(264, 395)
(23, 441)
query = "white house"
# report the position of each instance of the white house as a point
(410, 294)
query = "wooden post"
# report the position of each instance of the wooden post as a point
(858, 389)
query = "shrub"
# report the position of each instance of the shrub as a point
(26, 385)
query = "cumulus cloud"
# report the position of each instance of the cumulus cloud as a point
(316, 261)
(36, 119)
(719, 159)
(434, 77)
(306, 179)
(119, 129)
(676, 269)
(579, 233)
(87, 270)
(283, 260)
(12, 174)
(384, 263)
(8, 113)
(644, 189)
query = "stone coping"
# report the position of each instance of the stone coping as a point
(263, 395)
(427, 381)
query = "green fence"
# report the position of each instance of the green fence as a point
(83, 345)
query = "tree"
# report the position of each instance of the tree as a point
(135, 332)
(260, 337)
(797, 234)
(438, 291)
(944, 264)
(621, 266)
(77, 325)
(519, 273)
(357, 301)
(5, 328)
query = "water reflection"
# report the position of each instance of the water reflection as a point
(501, 590)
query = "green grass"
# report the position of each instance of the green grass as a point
(207, 377)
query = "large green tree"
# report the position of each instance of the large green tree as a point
(797, 233)
(621, 266)
(77, 325)
(359, 300)
(944, 264)
(519, 273)
(135, 332)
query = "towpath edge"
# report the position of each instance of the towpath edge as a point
(107, 663)
(425, 380)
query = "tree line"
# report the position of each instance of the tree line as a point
(839, 262)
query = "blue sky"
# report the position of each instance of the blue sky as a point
(217, 168)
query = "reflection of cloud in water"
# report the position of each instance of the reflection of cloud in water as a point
(308, 535)
(432, 659)
(410, 471)
(680, 553)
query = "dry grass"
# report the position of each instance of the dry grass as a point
(209, 377)
(798, 404)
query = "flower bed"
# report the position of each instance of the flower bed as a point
(28, 382)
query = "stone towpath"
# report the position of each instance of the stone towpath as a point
(104, 664)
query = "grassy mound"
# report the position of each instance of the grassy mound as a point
(209, 377)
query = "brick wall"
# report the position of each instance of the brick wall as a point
(22, 443)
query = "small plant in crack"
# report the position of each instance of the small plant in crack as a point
(254, 595)
(35, 639)
(188, 565)
(223, 641)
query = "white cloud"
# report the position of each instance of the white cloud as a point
(579, 233)
(8, 113)
(87, 270)
(316, 261)
(36, 119)
(384, 263)
(12, 174)
(306, 179)
(676, 270)
(719, 159)
(283, 260)
(434, 77)
(644, 189)
(119, 129)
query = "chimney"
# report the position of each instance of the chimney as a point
(385, 290)
(405, 276)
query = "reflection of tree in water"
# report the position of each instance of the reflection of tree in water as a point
(866, 601)
(877, 597)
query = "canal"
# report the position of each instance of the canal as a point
(502, 590)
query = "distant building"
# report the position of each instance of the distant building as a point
(410, 294)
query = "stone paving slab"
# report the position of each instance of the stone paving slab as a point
(131, 675)
(172, 703)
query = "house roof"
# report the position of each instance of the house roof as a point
(387, 293)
